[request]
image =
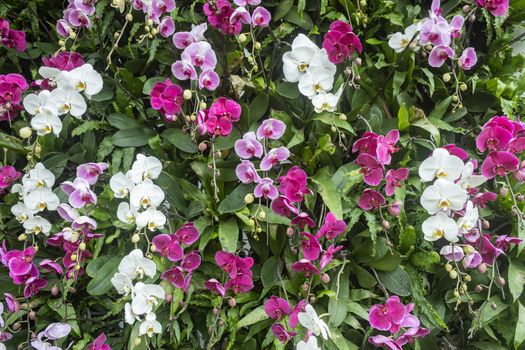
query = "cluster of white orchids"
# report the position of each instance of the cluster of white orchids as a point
(448, 197)
(144, 196)
(35, 197)
(63, 96)
(144, 297)
(311, 67)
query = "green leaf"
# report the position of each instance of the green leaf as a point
(56, 162)
(283, 8)
(403, 122)
(304, 21)
(288, 90)
(256, 315)
(235, 200)
(397, 281)
(338, 306)
(270, 271)
(122, 121)
(101, 270)
(519, 335)
(180, 140)
(329, 193)
(424, 260)
(441, 108)
(258, 107)
(340, 341)
(426, 125)
(86, 126)
(228, 234)
(135, 137)
(399, 79)
(516, 278)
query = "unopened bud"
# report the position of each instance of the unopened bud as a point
(343, 116)
(77, 267)
(261, 215)
(137, 341)
(463, 87)
(520, 197)
(232, 302)
(478, 288)
(203, 146)
(152, 248)
(32, 315)
(358, 61)
(290, 231)
(485, 224)
(447, 77)
(448, 267)
(16, 326)
(466, 9)
(257, 46)
(472, 18)
(503, 191)
(54, 291)
(501, 281)
(82, 246)
(218, 154)
(482, 268)
(22, 237)
(325, 278)
(154, 31)
(129, 17)
(333, 128)
(202, 105)
(467, 278)
(493, 306)
(147, 29)
(135, 238)
(242, 38)
(74, 237)
(455, 98)
(456, 293)
(453, 274)
(249, 198)
(74, 257)
(305, 286)
(468, 249)
(72, 35)
(150, 22)
(386, 224)
(187, 94)
(25, 132)
(168, 298)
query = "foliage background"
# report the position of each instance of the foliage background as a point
(395, 91)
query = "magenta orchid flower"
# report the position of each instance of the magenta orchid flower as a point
(310, 247)
(456, 151)
(240, 14)
(332, 227)
(248, 146)
(306, 266)
(439, 55)
(8, 175)
(276, 307)
(293, 321)
(498, 8)
(266, 189)
(271, 129)
(12, 304)
(280, 332)
(33, 286)
(370, 200)
(168, 246)
(472, 260)
(328, 255)
(395, 178)
(219, 126)
(261, 17)
(20, 262)
(371, 169)
(499, 163)
(340, 42)
(191, 261)
(366, 144)
(504, 242)
(167, 98)
(233, 264)
(242, 283)
(386, 146)
(175, 276)
(246, 172)
(283, 207)
(51, 266)
(274, 157)
(226, 108)
(468, 59)
(495, 136)
(302, 220)
(455, 26)
(388, 316)
(187, 234)
(215, 286)
(99, 343)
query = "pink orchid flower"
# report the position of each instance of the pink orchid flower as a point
(79, 192)
(183, 70)
(456, 151)
(498, 8)
(248, 146)
(293, 321)
(168, 246)
(91, 171)
(166, 26)
(20, 262)
(209, 80)
(328, 256)
(499, 163)
(266, 189)
(33, 286)
(233, 264)
(200, 54)
(388, 316)
(386, 146)
(276, 307)
(439, 55)
(12, 304)
(310, 247)
(99, 343)
(281, 333)
(226, 108)
(274, 157)
(187, 233)
(468, 59)
(371, 169)
(494, 136)
(331, 227)
(261, 17)
(370, 200)
(306, 266)
(242, 283)
(246, 172)
(8, 175)
(395, 178)
(271, 129)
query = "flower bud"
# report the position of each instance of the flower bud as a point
(82, 246)
(503, 191)
(482, 268)
(463, 87)
(485, 224)
(32, 315)
(249, 198)
(16, 326)
(168, 298)
(493, 306)
(216, 311)
(72, 34)
(325, 278)
(386, 225)
(242, 38)
(22, 237)
(467, 278)
(232, 302)
(154, 31)
(453, 274)
(448, 267)
(218, 154)
(447, 77)
(520, 198)
(74, 237)
(77, 267)
(261, 215)
(135, 238)
(362, 3)
(455, 98)
(147, 29)
(152, 248)
(358, 61)
(305, 286)
(187, 94)
(456, 293)
(290, 231)
(395, 208)
(150, 22)
(333, 128)
(472, 18)
(137, 341)
(501, 281)
(202, 105)
(25, 132)
(343, 116)
(257, 46)
(468, 249)
(203, 146)
(74, 257)
(129, 17)
(466, 9)
(55, 291)
(220, 323)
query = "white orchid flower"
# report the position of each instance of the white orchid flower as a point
(441, 165)
(146, 296)
(41, 199)
(145, 168)
(438, 226)
(129, 316)
(151, 218)
(36, 225)
(297, 61)
(136, 265)
(468, 179)
(311, 344)
(69, 101)
(125, 213)
(312, 322)
(121, 184)
(400, 41)
(150, 325)
(38, 177)
(443, 195)
(469, 220)
(146, 194)
(21, 212)
(41, 104)
(326, 101)
(122, 283)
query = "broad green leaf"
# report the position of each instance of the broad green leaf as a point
(288, 90)
(338, 306)
(101, 270)
(122, 121)
(235, 200)
(134, 137)
(516, 278)
(403, 122)
(258, 107)
(182, 141)
(256, 315)
(329, 193)
(427, 125)
(270, 271)
(283, 8)
(228, 234)
(396, 281)
(304, 21)
(519, 336)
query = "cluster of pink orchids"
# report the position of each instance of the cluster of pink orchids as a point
(239, 278)
(436, 31)
(395, 317)
(12, 38)
(170, 246)
(76, 15)
(375, 151)
(223, 16)
(11, 88)
(277, 308)
(219, 118)
(340, 42)
(498, 8)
